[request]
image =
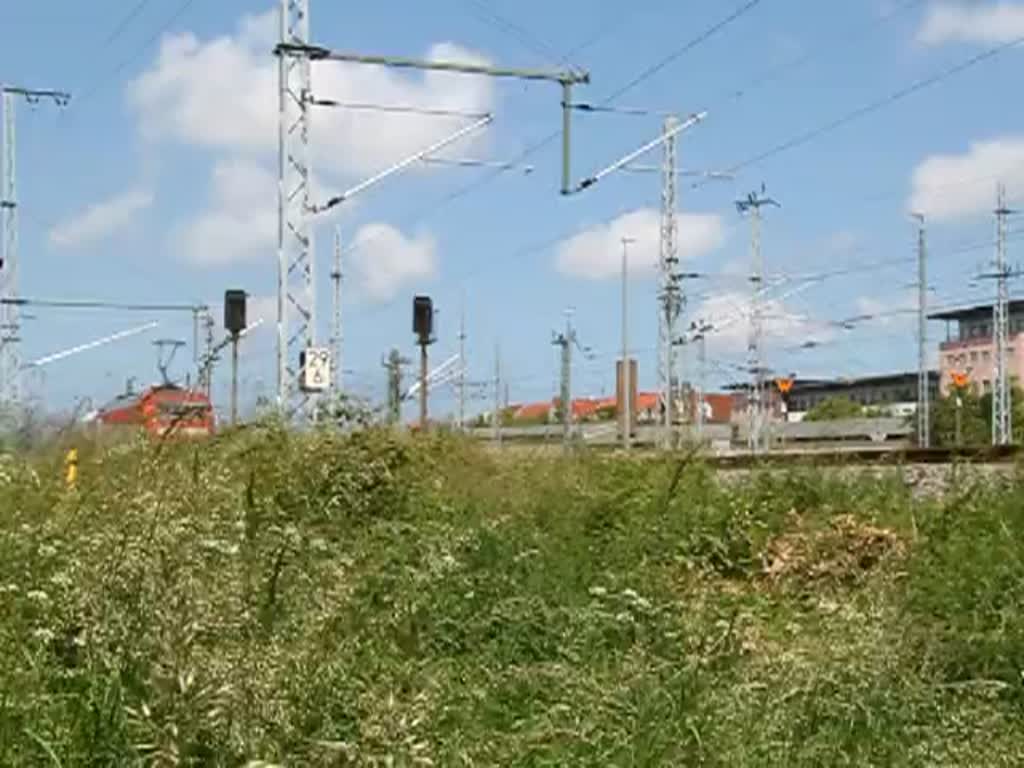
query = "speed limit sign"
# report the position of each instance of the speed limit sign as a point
(316, 369)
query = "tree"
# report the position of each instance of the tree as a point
(835, 408)
(1016, 410)
(974, 428)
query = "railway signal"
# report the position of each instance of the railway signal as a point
(960, 381)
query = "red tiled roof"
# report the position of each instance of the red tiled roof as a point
(584, 407)
(647, 401)
(532, 411)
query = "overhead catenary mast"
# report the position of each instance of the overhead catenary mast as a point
(10, 321)
(670, 294)
(565, 341)
(337, 338)
(923, 382)
(296, 268)
(1002, 421)
(757, 408)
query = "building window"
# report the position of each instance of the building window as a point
(987, 386)
(974, 357)
(986, 356)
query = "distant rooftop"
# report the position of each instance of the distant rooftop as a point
(974, 312)
(879, 379)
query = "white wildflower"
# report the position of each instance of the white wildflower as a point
(43, 635)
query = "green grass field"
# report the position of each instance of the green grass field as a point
(317, 600)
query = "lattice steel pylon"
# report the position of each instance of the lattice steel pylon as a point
(1002, 424)
(670, 298)
(296, 279)
(758, 406)
(10, 321)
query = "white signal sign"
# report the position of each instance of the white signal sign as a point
(316, 369)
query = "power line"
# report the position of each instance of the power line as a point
(845, 39)
(704, 36)
(127, 19)
(526, 38)
(875, 106)
(106, 79)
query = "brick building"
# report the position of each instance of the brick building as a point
(969, 346)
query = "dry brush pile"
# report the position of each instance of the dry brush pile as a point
(305, 600)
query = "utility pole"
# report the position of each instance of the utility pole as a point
(423, 386)
(234, 379)
(670, 294)
(497, 395)
(923, 379)
(627, 400)
(702, 359)
(10, 320)
(393, 364)
(701, 328)
(461, 382)
(210, 356)
(755, 347)
(1002, 422)
(565, 342)
(337, 339)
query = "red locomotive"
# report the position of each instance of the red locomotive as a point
(163, 409)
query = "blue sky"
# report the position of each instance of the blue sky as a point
(157, 183)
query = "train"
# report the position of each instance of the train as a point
(161, 410)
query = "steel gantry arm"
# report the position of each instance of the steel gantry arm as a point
(565, 78)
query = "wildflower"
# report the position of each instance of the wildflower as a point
(43, 635)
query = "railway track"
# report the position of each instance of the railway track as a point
(868, 456)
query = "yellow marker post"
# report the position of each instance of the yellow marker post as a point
(71, 464)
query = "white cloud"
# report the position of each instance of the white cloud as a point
(729, 314)
(896, 311)
(222, 93)
(101, 220)
(241, 223)
(976, 22)
(952, 186)
(240, 226)
(596, 253)
(385, 260)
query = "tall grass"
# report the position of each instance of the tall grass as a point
(375, 600)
